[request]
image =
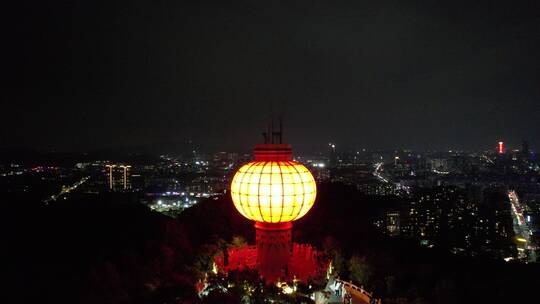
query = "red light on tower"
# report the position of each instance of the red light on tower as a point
(501, 147)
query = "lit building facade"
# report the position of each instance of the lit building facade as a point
(118, 177)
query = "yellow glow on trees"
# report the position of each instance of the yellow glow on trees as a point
(273, 191)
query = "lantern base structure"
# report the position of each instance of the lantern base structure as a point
(275, 256)
(274, 244)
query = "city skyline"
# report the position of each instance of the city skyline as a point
(286, 151)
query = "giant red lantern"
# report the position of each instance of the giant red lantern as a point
(273, 190)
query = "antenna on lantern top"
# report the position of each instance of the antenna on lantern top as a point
(277, 136)
(271, 136)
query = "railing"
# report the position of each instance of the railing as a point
(365, 295)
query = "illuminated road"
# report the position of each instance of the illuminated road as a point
(377, 173)
(486, 159)
(399, 185)
(66, 190)
(521, 228)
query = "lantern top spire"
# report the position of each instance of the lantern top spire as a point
(273, 137)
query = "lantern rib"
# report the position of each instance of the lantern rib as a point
(246, 210)
(291, 174)
(303, 194)
(260, 164)
(270, 191)
(262, 219)
(282, 193)
(253, 169)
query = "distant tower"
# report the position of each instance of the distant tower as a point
(525, 148)
(332, 156)
(273, 190)
(393, 222)
(500, 147)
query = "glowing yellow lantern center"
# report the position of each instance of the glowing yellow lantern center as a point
(273, 191)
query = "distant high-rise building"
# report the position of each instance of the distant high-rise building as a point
(118, 177)
(393, 222)
(439, 164)
(525, 147)
(332, 156)
(137, 182)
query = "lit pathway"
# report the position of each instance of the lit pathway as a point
(359, 296)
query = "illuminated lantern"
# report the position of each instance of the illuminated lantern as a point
(273, 190)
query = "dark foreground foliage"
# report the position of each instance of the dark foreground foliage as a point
(110, 249)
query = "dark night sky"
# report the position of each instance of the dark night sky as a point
(375, 74)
